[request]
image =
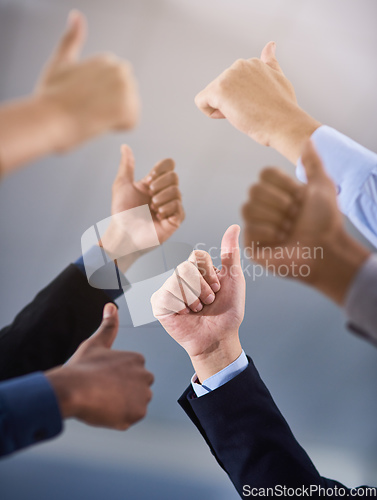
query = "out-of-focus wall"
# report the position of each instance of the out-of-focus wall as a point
(323, 378)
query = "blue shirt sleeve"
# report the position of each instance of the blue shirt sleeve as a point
(361, 301)
(220, 378)
(353, 169)
(29, 412)
(104, 271)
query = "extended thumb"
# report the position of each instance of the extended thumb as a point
(127, 163)
(230, 251)
(314, 168)
(107, 332)
(71, 44)
(269, 58)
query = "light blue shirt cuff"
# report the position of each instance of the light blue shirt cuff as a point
(353, 169)
(220, 378)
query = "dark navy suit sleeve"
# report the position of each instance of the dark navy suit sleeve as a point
(249, 437)
(29, 413)
(50, 329)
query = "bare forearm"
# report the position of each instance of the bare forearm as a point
(29, 129)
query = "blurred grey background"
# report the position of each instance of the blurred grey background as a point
(322, 378)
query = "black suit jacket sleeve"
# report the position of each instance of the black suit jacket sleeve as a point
(249, 437)
(49, 330)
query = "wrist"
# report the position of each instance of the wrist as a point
(64, 388)
(57, 127)
(342, 259)
(295, 128)
(215, 359)
(116, 246)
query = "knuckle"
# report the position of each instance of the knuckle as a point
(154, 298)
(105, 58)
(184, 268)
(269, 172)
(245, 210)
(150, 395)
(224, 83)
(150, 378)
(255, 190)
(127, 67)
(200, 256)
(138, 358)
(174, 177)
(174, 190)
(183, 214)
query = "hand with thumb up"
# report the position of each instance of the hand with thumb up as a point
(88, 97)
(257, 98)
(297, 231)
(202, 308)
(100, 386)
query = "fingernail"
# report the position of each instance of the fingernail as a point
(108, 311)
(209, 299)
(215, 287)
(154, 200)
(199, 307)
(149, 178)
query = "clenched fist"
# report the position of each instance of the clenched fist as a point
(256, 98)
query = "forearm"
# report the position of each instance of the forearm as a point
(250, 438)
(248, 435)
(50, 329)
(29, 129)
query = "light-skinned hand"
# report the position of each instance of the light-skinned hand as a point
(202, 309)
(255, 96)
(91, 96)
(159, 189)
(74, 101)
